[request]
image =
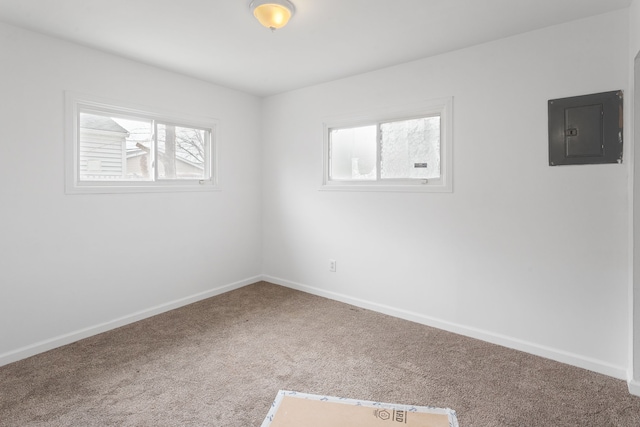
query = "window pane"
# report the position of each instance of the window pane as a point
(112, 148)
(181, 152)
(353, 153)
(410, 149)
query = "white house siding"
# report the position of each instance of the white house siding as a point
(102, 154)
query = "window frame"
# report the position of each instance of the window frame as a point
(76, 103)
(442, 107)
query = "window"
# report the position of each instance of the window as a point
(397, 150)
(116, 148)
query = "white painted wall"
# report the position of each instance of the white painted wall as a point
(634, 195)
(523, 254)
(68, 267)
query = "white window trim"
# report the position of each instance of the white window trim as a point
(73, 185)
(441, 106)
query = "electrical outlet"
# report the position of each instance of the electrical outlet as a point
(332, 265)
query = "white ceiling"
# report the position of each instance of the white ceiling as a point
(219, 40)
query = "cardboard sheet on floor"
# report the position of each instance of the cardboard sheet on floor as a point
(292, 409)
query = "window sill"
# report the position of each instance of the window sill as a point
(136, 188)
(371, 187)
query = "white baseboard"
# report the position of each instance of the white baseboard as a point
(505, 341)
(634, 387)
(591, 364)
(49, 344)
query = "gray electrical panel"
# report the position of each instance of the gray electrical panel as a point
(586, 129)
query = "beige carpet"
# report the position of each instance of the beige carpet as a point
(221, 361)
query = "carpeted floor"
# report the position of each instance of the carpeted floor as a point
(220, 362)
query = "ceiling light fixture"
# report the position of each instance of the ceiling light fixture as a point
(273, 14)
